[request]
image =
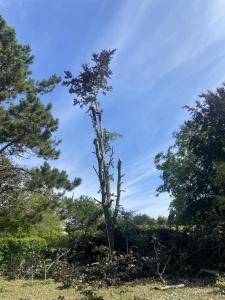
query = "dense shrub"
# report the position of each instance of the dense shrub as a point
(21, 256)
(206, 248)
(165, 252)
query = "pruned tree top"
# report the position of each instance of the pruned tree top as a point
(92, 80)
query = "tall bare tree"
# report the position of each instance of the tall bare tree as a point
(88, 86)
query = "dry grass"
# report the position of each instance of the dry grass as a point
(24, 290)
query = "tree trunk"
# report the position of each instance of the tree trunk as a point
(127, 245)
(109, 231)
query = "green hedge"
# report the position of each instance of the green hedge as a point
(17, 252)
(20, 247)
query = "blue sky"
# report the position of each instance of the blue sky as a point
(168, 52)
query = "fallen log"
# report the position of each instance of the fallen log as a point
(167, 287)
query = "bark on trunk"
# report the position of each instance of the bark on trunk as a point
(104, 176)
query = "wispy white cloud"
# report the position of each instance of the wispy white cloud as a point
(176, 43)
(140, 177)
(148, 203)
(125, 24)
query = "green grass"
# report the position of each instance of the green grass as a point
(25, 290)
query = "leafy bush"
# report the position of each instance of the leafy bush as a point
(21, 256)
(220, 284)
